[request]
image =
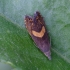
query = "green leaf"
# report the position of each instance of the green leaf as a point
(17, 49)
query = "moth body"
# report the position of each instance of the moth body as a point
(36, 28)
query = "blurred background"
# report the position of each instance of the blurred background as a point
(17, 49)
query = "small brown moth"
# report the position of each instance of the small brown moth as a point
(36, 27)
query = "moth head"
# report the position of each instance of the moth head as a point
(37, 15)
(28, 19)
(38, 18)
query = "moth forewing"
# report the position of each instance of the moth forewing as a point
(37, 30)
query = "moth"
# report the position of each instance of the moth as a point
(36, 27)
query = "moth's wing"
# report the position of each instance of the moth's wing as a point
(38, 32)
(28, 23)
(40, 35)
